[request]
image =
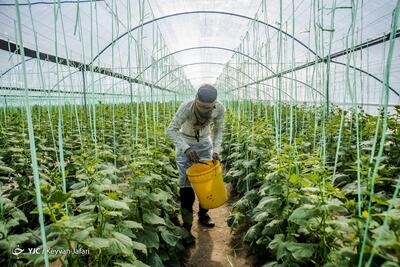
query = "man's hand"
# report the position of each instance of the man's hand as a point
(192, 155)
(216, 157)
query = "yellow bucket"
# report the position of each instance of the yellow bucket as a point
(208, 184)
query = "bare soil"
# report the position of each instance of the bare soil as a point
(218, 246)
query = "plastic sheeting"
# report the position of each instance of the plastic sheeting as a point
(180, 44)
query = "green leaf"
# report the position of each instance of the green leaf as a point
(302, 214)
(236, 220)
(59, 197)
(97, 243)
(81, 221)
(136, 263)
(12, 241)
(116, 247)
(6, 170)
(269, 203)
(160, 196)
(149, 237)
(272, 227)
(277, 245)
(235, 155)
(155, 260)
(243, 204)
(78, 185)
(249, 163)
(3, 230)
(126, 240)
(388, 237)
(168, 237)
(334, 205)
(260, 216)
(294, 179)
(12, 223)
(132, 225)
(252, 234)
(271, 264)
(141, 180)
(152, 218)
(300, 251)
(82, 235)
(114, 204)
(19, 215)
(139, 246)
(390, 264)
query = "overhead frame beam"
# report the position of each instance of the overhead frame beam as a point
(14, 48)
(361, 46)
(11, 88)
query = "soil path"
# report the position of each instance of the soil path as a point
(217, 247)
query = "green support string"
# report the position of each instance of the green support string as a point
(113, 83)
(395, 17)
(35, 168)
(78, 126)
(92, 106)
(43, 85)
(57, 11)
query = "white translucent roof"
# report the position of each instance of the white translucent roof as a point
(196, 30)
(184, 43)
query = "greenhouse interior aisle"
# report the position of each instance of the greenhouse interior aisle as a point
(106, 107)
(218, 246)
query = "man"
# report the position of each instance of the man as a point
(196, 131)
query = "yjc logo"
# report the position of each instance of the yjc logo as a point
(34, 250)
(19, 250)
(16, 251)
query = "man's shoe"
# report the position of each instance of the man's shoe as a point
(189, 240)
(206, 221)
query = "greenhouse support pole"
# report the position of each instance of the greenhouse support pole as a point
(5, 111)
(327, 87)
(131, 92)
(84, 97)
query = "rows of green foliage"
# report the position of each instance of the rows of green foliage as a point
(292, 209)
(120, 205)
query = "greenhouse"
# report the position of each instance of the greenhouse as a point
(209, 133)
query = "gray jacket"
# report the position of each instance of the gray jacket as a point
(182, 133)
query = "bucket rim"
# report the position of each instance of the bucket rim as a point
(204, 172)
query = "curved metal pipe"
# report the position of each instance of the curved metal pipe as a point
(202, 63)
(16, 65)
(365, 72)
(203, 12)
(248, 76)
(205, 47)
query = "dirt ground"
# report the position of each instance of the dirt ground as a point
(217, 247)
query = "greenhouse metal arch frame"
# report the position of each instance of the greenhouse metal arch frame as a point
(319, 59)
(241, 72)
(89, 67)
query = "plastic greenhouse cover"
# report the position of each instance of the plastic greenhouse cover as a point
(202, 35)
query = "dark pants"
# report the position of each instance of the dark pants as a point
(187, 200)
